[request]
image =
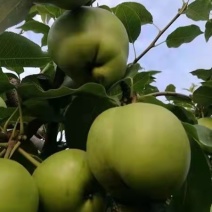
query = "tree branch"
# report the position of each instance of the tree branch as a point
(152, 44)
(166, 93)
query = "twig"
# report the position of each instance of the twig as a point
(28, 157)
(152, 44)
(166, 93)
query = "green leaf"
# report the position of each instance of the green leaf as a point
(32, 90)
(141, 80)
(151, 100)
(204, 138)
(203, 95)
(133, 15)
(18, 51)
(132, 69)
(13, 12)
(79, 116)
(208, 30)
(204, 74)
(5, 113)
(196, 193)
(46, 11)
(182, 35)
(170, 88)
(40, 109)
(182, 114)
(199, 10)
(208, 83)
(35, 26)
(5, 84)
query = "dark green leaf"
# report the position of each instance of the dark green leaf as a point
(133, 15)
(18, 51)
(208, 83)
(151, 100)
(183, 114)
(31, 90)
(199, 10)
(13, 12)
(196, 193)
(208, 30)
(141, 80)
(204, 138)
(170, 88)
(132, 69)
(203, 95)
(35, 26)
(49, 11)
(40, 109)
(116, 90)
(80, 115)
(5, 84)
(5, 113)
(182, 35)
(204, 74)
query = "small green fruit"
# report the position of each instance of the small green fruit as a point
(138, 152)
(66, 184)
(18, 191)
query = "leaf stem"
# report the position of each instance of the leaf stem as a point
(152, 44)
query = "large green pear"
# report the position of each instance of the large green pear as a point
(64, 4)
(89, 45)
(138, 152)
(18, 191)
(66, 183)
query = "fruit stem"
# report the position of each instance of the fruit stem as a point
(2, 153)
(20, 116)
(8, 120)
(28, 157)
(3, 144)
(152, 44)
(14, 149)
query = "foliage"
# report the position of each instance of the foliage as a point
(39, 105)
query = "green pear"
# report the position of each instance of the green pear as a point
(89, 45)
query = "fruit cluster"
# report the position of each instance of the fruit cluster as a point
(136, 153)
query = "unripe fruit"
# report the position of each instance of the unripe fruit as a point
(139, 151)
(18, 191)
(65, 184)
(89, 45)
